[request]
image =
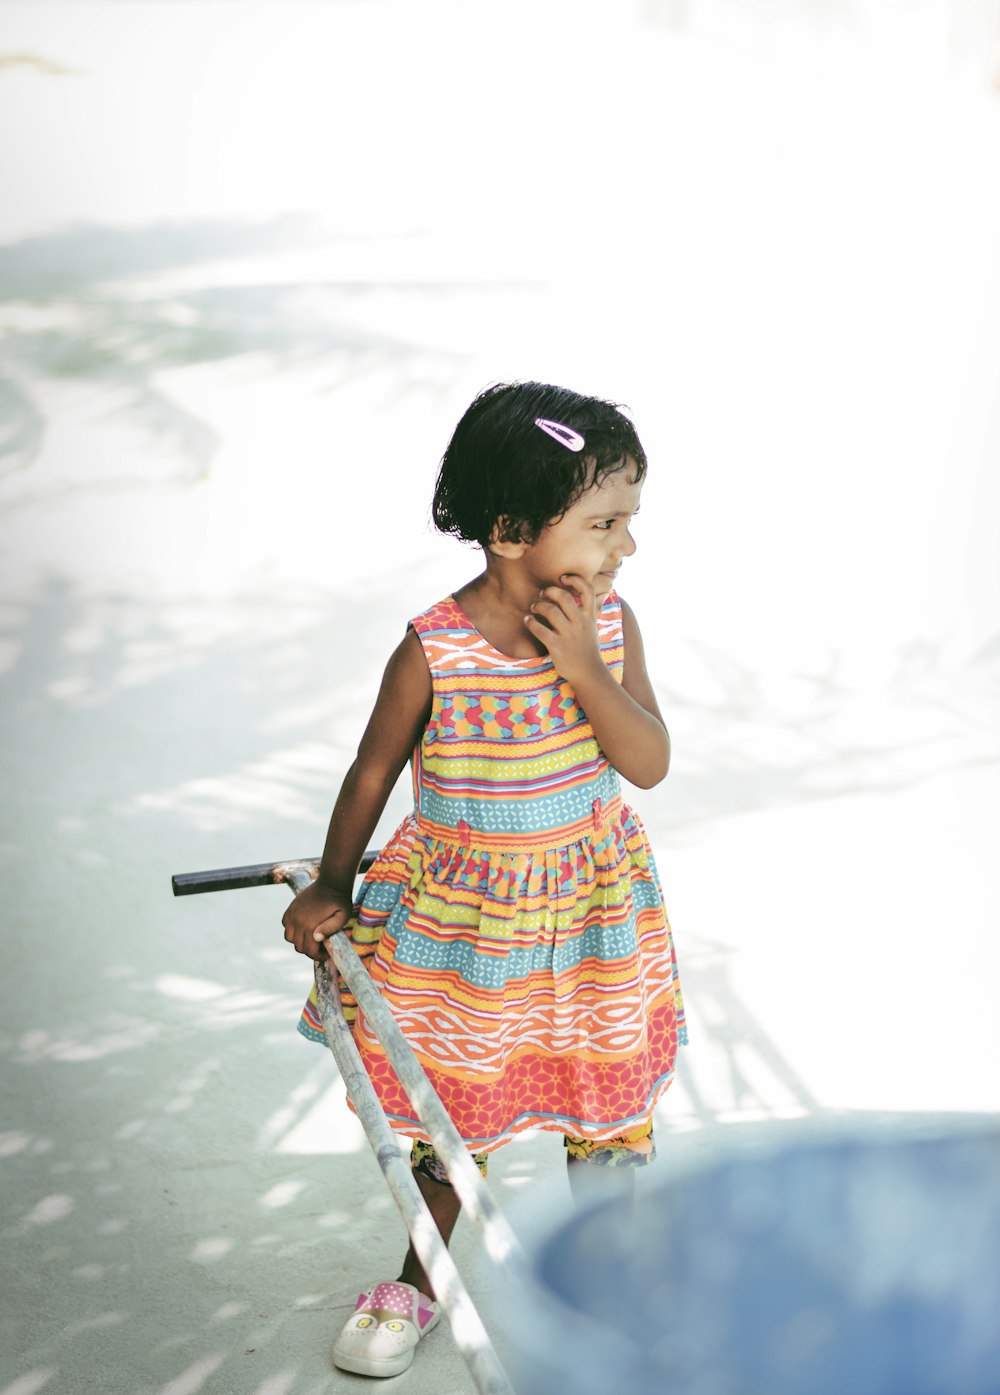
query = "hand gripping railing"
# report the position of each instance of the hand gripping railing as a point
(501, 1244)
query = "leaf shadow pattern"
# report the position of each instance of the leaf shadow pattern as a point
(806, 737)
(114, 310)
(752, 1078)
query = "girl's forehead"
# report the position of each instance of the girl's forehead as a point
(622, 485)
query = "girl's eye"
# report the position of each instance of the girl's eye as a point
(605, 525)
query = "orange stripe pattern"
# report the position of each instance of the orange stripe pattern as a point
(515, 922)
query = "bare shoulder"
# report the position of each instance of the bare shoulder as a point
(407, 671)
(629, 622)
(631, 634)
(635, 678)
(401, 709)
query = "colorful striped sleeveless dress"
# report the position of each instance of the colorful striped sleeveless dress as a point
(514, 922)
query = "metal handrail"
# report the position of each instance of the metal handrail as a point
(501, 1244)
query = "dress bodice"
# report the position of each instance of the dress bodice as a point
(508, 757)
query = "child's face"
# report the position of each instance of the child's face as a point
(592, 537)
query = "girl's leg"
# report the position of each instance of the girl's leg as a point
(442, 1202)
(607, 1169)
(444, 1205)
(590, 1182)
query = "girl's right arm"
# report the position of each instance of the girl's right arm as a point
(398, 719)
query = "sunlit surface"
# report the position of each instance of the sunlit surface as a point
(254, 261)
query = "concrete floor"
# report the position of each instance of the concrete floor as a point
(223, 426)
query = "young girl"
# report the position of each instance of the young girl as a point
(514, 922)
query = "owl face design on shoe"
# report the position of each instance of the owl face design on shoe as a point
(380, 1337)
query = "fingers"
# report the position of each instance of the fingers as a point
(562, 602)
(310, 938)
(552, 605)
(582, 590)
(329, 927)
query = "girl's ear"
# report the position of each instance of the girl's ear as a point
(503, 547)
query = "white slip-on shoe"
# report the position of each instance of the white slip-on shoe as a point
(381, 1335)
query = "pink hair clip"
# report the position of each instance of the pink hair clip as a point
(565, 435)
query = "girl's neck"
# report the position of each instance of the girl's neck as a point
(496, 602)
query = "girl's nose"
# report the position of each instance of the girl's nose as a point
(628, 547)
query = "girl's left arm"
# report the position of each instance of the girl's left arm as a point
(625, 716)
(635, 682)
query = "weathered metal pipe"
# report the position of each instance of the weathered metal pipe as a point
(502, 1246)
(237, 878)
(467, 1327)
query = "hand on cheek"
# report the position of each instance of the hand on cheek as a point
(564, 620)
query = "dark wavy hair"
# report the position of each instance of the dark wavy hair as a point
(502, 471)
